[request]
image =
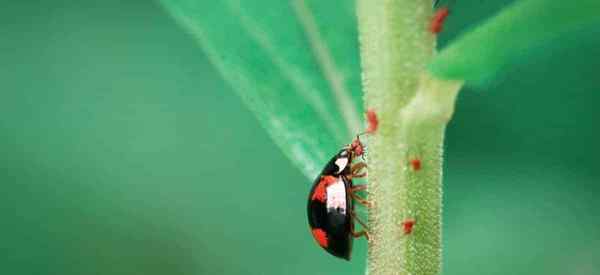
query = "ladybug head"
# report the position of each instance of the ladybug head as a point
(356, 147)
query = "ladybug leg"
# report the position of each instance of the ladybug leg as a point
(356, 218)
(358, 188)
(360, 234)
(354, 174)
(359, 199)
(363, 232)
(356, 168)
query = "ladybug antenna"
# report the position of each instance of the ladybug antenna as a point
(361, 134)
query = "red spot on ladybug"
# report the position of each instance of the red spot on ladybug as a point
(437, 22)
(372, 121)
(320, 193)
(320, 236)
(416, 164)
(408, 226)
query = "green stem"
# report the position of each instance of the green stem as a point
(413, 109)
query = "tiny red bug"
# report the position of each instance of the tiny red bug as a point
(372, 120)
(437, 22)
(408, 226)
(416, 164)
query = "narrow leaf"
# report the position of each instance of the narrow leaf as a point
(480, 53)
(298, 79)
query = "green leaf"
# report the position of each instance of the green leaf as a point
(502, 40)
(295, 65)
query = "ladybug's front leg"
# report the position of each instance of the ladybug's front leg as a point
(357, 168)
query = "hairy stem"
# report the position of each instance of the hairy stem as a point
(405, 153)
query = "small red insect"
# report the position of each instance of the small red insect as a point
(372, 120)
(416, 164)
(437, 22)
(408, 226)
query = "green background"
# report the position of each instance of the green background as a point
(123, 152)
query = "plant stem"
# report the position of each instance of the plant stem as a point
(413, 109)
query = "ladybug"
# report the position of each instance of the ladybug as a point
(330, 207)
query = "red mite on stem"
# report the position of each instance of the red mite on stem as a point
(416, 164)
(408, 226)
(437, 22)
(372, 120)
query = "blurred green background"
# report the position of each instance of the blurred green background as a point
(123, 152)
